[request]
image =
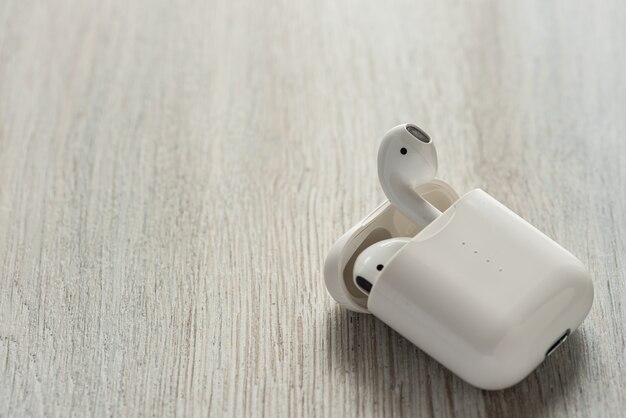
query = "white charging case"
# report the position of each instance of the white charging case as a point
(479, 289)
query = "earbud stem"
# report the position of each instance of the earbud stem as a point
(423, 213)
(413, 206)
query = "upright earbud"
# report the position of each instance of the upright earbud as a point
(406, 159)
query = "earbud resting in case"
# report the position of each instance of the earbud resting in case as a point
(465, 279)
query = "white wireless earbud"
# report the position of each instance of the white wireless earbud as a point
(371, 262)
(406, 159)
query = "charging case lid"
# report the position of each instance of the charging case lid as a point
(382, 223)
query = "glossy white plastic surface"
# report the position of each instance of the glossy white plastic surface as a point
(386, 221)
(483, 292)
(370, 263)
(407, 157)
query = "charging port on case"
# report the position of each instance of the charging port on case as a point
(558, 342)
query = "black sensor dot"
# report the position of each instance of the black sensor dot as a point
(403, 151)
(379, 267)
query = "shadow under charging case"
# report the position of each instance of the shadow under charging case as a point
(479, 289)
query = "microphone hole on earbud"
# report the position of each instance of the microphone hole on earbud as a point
(379, 267)
(403, 151)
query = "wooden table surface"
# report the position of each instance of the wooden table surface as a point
(172, 176)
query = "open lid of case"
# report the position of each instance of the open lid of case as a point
(382, 223)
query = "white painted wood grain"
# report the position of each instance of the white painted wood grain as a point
(172, 176)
